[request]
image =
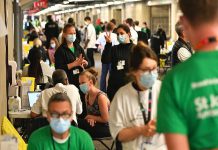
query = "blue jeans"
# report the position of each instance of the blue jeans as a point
(104, 71)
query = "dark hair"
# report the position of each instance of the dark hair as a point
(179, 29)
(71, 21)
(138, 53)
(59, 97)
(91, 74)
(59, 76)
(124, 27)
(201, 10)
(109, 26)
(113, 21)
(136, 23)
(49, 18)
(66, 27)
(87, 18)
(35, 69)
(145, 23)
(130, 22)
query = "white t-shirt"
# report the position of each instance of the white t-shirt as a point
(125, 112)
(138, 28)
(41, 105)
(102, 42)
(91, 35)
(134, 35)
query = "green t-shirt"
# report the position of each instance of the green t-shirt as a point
(72, 49)
(188, 101)
(42, 140)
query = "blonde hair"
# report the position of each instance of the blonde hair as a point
(37, 42)
(91, 74)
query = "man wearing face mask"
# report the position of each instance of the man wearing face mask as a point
(60, 134)
(90, 40)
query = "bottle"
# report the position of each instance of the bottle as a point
(14, 103)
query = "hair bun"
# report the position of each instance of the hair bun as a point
(93, 71)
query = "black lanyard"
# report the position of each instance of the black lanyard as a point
(146, 113)
(54, 143)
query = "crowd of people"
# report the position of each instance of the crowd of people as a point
(127, 106)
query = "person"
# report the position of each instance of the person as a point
(28, 25)
(118, 56)
(54, 44)
(70, 56)
(187, 108)
(137, 27)
(133, 109)
(37, 43)
(37, 68)
(60, 134)
(78, 33)
(146, 30)
(61, 84)
(101, 44)
(114, 22)
(98, 28)
(97, 105)
(90, 40)
(51, 30)
(32, 35)
(181, 50)
(134, 35)
(158, 40)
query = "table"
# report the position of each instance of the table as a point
(19, 114)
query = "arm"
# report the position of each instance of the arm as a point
(183, 54)
(106, 55)
(131, 133)
(103, 106)
(79, 108)
(176, 142)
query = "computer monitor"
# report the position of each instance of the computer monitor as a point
(32, 97)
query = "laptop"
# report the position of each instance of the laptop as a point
(32, 97)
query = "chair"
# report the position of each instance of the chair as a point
(101, 140)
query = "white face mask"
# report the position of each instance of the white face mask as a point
(86, 23)
(52, 45)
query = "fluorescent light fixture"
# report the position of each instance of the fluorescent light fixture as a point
(110, 3)
(103, 5)
(66, 2)
(118, 2)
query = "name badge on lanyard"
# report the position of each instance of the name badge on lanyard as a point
(120, 65)
(76, 71)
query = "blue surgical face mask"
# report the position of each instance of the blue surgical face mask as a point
(122, 38)
(84, 88)
(148, 79)
(71, 38)
(60, 125)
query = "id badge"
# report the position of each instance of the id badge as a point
(120, 67)
(76, 71)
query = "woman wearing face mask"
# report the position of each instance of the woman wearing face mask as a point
(133, 110)
(118, 56)
(70, 56)
(54, 44)
(97, 106)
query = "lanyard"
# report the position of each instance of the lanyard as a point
(68, 146)
(146, 114)
(206, 41)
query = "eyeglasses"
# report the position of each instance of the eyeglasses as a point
(63, 115)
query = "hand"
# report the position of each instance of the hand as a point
(149, 129)
(84, 62)
(78, 61)
(88, 117)
(91, 122)
(108, 37)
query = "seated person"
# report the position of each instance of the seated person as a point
(60, 134)
(60, 82)
(97, 105)
(38, 69)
